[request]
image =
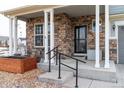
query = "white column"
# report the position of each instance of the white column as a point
(46, 35)
(15, 35)
(52, 33)
(10, 35)
(97, 64)
(106, 36)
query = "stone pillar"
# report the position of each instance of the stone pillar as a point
(46, 36)
(10, 35)
(97, 53)
(15, 41)
(107, 36)
(52, 33)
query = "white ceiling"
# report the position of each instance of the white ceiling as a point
(79, 10)
(72, 11)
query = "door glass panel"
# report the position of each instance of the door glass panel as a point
(80, 39)
(77, 48)
(82, 45)
(77, 33)
(82, 33)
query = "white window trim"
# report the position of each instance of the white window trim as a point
(41, 34)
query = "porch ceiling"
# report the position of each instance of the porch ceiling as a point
(71, 10)
(79, 10)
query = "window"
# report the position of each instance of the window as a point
(94, 25)
(39, 35)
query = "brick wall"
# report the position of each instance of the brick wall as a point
(64, 34)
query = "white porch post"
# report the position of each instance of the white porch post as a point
(15, 35)
(97, 65)
(106, 36)
(10, 35)
(52, 33)
(46, 35)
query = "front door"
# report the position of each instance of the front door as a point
(80, 39)
(121, 44)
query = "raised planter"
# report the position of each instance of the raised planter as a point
(17, 64)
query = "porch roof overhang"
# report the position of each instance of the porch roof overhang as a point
(117, 17)
(32, 11)
(27, 9)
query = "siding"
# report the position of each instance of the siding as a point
(116, 9)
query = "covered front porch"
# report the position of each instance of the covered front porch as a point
(77, 29)
(85, 70)
(76, 45)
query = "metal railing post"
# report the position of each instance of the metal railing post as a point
(57, 56)
(59, 77)
(76, 74)
(49, 62)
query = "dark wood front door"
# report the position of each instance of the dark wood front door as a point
(80, 39)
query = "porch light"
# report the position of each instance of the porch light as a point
(113, 27)
(100, 24)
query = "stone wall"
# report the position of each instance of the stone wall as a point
(113, 50)
(64, 34)
(31, 50)
(87, 20)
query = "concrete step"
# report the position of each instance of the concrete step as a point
(87, 71)
(53, 77)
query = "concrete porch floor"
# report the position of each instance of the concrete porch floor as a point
(87, 70)
(90, 83)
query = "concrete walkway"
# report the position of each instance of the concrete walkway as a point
(88, 83)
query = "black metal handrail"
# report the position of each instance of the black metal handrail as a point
(72, 57)
(57, 53)
(55, 50)
(52, 49)
(76, 68)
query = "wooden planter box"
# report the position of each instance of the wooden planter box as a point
(17, 65)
